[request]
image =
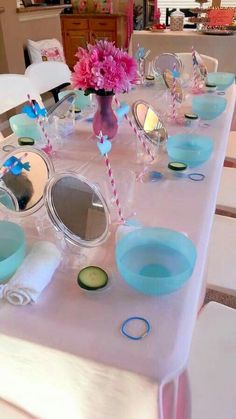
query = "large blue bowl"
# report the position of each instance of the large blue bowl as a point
(221, 80)
(191, 149)
(23, 126)
(12, 249)
(155, 261)
(208, 107)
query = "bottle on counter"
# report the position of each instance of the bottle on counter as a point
(177, 21)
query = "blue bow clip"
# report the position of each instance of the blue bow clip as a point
(176, 74)
(16, 166)
(105, 146)
(123, 110)
(29, 111)
(140, 53)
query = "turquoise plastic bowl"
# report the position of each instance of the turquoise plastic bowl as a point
(12, 249)
(191, 149)
(208, 107)
(81, 101)
(23, 126)
(155, 261)
(221, 80)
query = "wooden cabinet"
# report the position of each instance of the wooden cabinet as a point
(78, 30)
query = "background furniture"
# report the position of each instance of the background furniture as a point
(78, 29)
(167, 41)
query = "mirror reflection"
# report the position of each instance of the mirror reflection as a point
(169, 81)
(25, 173)
(79, 208)
(61, 108)
(149, 121)
(201, 65)
(7, 199)
(166, 61)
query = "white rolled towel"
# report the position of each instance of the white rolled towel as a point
(35, 273)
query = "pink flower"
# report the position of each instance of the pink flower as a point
(103, 67)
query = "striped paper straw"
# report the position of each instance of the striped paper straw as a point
(195, 74)
(173, 94)
(39, 121)
(112, 181)
(138, 135)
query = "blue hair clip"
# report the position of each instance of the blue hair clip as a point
(16, 166)
(104, 146)
(176, 73)
(38, 111)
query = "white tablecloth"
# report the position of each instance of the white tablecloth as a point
(67, 319)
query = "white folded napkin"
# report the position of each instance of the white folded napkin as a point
(33, 275)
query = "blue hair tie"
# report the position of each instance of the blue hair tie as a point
(127, 321)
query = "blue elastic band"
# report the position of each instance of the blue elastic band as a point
(124, 324)
(197, 177)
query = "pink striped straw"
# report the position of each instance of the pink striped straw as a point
(40, 122)
(173, 94)
(138, 135)
(195, 75)
(112, 181)
(8, 169)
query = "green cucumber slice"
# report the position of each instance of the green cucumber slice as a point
(25, 141)
(92, 278)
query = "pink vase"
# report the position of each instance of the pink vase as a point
(105, 119)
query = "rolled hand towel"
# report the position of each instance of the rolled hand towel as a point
(33, 275)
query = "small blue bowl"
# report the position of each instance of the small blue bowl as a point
(208, 107)
(155, 261)
(81, 101)
(221, 80)
(23, 126)
(191, 149)
(12, 249)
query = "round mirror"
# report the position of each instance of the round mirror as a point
(61, 108)
(169, 81)
(166, 61)
(7, 199)
(201, 65)
(149, 122)
(77, 209)
(25, 172)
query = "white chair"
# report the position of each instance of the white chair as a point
(14, 89)
(221, 268)
(49, 76)
(186, 59)
(230, 155)
(226, 199)
(212, 364)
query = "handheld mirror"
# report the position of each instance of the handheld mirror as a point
(169, 81)
(23, 175)
(166, 61)
(148, 120)
(77, 209)
(201, 65)
(61, 108)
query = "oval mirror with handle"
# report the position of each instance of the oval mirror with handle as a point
(149, 122)
(169, 81)
(166, 61)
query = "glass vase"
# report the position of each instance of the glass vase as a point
(105, 119)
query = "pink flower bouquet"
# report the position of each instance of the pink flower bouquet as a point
(104, 69)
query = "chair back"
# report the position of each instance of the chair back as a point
(186, 59)
(14, 89)
(47, 75)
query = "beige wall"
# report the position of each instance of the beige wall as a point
(14, 34)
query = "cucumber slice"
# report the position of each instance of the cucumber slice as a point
(92, 278)
(25, 141)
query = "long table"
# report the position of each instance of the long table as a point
(216, 46)
(69, 320)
